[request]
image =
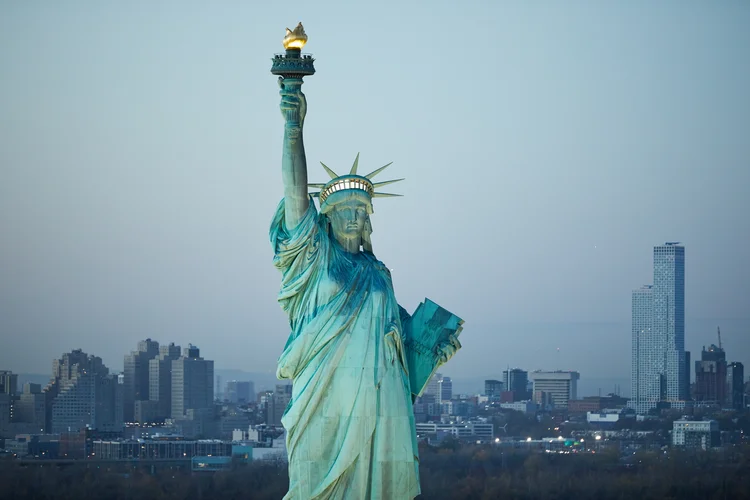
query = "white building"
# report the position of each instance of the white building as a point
(696, 433)
(561, 386)
(524, 407)
(479, 431)
(604, 417)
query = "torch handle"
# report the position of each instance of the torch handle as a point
(292, 86)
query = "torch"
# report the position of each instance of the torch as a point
(293, 65)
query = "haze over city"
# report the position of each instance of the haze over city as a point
(546, 150)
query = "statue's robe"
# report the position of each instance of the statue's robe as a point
(350, 424)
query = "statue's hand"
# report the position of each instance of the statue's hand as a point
(447, 351)
(293, 105)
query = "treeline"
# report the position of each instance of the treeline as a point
(489, 473)
(447, 472)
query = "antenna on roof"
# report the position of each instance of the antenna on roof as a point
(718, 332)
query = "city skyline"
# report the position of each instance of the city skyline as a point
(140, 172)
(589, 386)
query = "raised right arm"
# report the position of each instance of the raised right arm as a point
(293, 160)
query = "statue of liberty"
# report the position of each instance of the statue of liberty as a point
(350, 424)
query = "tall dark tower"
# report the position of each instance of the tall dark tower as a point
(711, 376)
(736, 386)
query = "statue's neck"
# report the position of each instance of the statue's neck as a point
(350, 245)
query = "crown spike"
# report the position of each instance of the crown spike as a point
(376, 172)
(353, 171)
(385, 183)
(385, 195)
(330, 172)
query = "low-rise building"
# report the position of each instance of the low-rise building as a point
(34, 445)
(696, 433)
(603, 417)
(525, 407)
(468, 431)
(596, 403)
(159, 449)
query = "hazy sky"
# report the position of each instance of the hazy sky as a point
(547, 148)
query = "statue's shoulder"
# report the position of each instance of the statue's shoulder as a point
(377, 263)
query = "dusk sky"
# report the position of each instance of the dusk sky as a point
(547, 148)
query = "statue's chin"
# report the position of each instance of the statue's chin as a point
(348, 235)
(348, 240)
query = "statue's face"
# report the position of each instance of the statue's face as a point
(348, 219)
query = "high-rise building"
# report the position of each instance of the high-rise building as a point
(82, 394)
(686, 389)
(711, 376)
(5, 405)
(736, 386)
(8, 383)
(493, 389)
(438, 390)
(645, 379)
(30, 408)
(659, 368)
(445, 389)
(559, 386)
(669, 316)
(136, 371)
(433, 387)
(276, 403)
(239, 391)
(516, 381)
(160, 380)
(8, 386)
(192, 383)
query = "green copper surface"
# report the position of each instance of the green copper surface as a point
(351, 350)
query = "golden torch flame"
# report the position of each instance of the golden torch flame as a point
(295, 39)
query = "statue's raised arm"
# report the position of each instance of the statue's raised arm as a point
(291, 67)
(293, 160)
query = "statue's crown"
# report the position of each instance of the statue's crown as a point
(352, 181)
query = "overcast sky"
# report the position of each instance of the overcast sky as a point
(547, 148)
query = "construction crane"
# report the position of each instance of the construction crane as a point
(718, 332)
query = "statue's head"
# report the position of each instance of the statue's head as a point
(346, 200)
(348, 213)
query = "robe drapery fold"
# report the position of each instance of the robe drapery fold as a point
(350, 424)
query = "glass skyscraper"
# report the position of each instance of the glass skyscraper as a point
(660, 370)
